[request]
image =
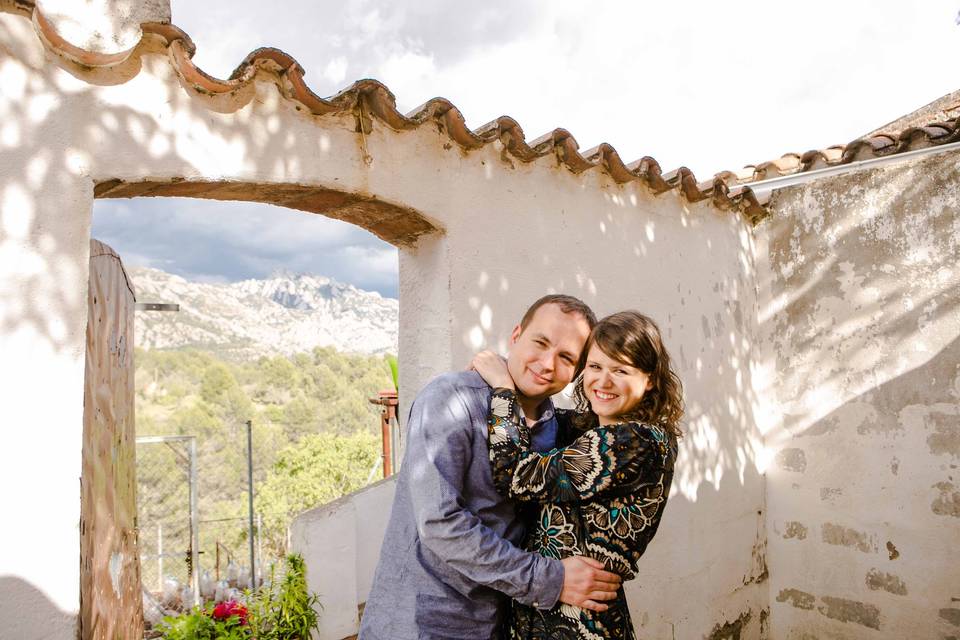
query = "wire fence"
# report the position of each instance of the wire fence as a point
(166, 509)
(174, 539)
(195, 545)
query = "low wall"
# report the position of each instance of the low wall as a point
(861, 334)
(340, 543)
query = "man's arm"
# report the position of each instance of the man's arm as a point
(439, 454)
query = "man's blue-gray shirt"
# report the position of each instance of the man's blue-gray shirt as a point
(449, 558)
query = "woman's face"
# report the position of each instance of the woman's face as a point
(613, 388)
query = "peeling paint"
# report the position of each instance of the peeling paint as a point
(861, 340)
(844, 536)
(892, 551)
(948, 502)
(852, 414)
(850, 611)
(945, 440)
(758, 554)
(879, 580)
(795, 530)
(730, 630)
(797, 598)
(951, 615)
(792, 459)
(827, 494)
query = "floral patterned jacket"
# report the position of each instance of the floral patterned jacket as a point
(601, 493)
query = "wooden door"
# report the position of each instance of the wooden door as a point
(111, 607)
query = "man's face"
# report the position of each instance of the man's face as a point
(543, 356)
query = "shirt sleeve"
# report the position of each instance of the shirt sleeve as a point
(605, 460)
(439, 442)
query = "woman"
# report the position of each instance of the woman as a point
(602, 492)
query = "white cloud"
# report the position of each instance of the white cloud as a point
(336, 70)
(216, 241)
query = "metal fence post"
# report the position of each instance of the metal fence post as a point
(253, 570)
(194, 525)
(160, 557)
(260, 542)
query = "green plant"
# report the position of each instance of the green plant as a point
(284, 611)
(295, 615)
(394, 370)
(204, 623)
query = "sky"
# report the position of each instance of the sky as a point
(704, 84)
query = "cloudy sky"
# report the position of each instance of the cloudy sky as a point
(705, 84)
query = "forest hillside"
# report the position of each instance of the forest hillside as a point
(316, 437)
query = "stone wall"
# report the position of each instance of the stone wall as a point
(860, 318)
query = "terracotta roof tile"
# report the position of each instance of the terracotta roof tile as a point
(370, 99)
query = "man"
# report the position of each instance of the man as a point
(449, 560)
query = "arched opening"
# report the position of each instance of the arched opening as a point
(228, 381)
(398, 225)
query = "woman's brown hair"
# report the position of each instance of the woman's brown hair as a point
(634, 339)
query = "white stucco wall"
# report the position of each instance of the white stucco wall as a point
(338, 542)
(861, 341)
(509, 232)
(45, 201)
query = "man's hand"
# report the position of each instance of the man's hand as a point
(586, 584)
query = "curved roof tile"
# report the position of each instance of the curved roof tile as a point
(372, 99)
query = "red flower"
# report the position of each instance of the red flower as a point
(230, 608)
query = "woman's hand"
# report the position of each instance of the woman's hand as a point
(493, 369)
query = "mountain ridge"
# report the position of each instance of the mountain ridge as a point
(284, 314)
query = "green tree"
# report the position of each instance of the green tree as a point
(319, 468)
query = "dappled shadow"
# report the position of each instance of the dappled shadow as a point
(863, 288)
(692, 270)
(862, 339)
(692, 273)
(60, 134)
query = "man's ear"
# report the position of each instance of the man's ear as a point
(517, 330)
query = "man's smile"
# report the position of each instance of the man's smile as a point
(540, 378)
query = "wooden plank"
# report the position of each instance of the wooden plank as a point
(111, 607)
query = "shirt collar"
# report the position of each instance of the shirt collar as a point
(546, 413)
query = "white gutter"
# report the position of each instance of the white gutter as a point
(763, 188)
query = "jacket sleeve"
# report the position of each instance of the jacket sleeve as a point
(439, 452)
(604, 460)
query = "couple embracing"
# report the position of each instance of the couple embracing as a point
(513, 519)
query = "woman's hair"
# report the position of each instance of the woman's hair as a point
(634, 339)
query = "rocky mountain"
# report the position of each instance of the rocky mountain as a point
(284, 314)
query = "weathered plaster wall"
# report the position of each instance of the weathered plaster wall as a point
(45, 201)
(861, 326)
(507, 232)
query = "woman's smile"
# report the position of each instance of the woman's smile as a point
(615, 389)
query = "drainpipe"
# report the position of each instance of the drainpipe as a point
(389, 430)
(764, 188)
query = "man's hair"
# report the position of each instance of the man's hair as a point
(567, 304)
